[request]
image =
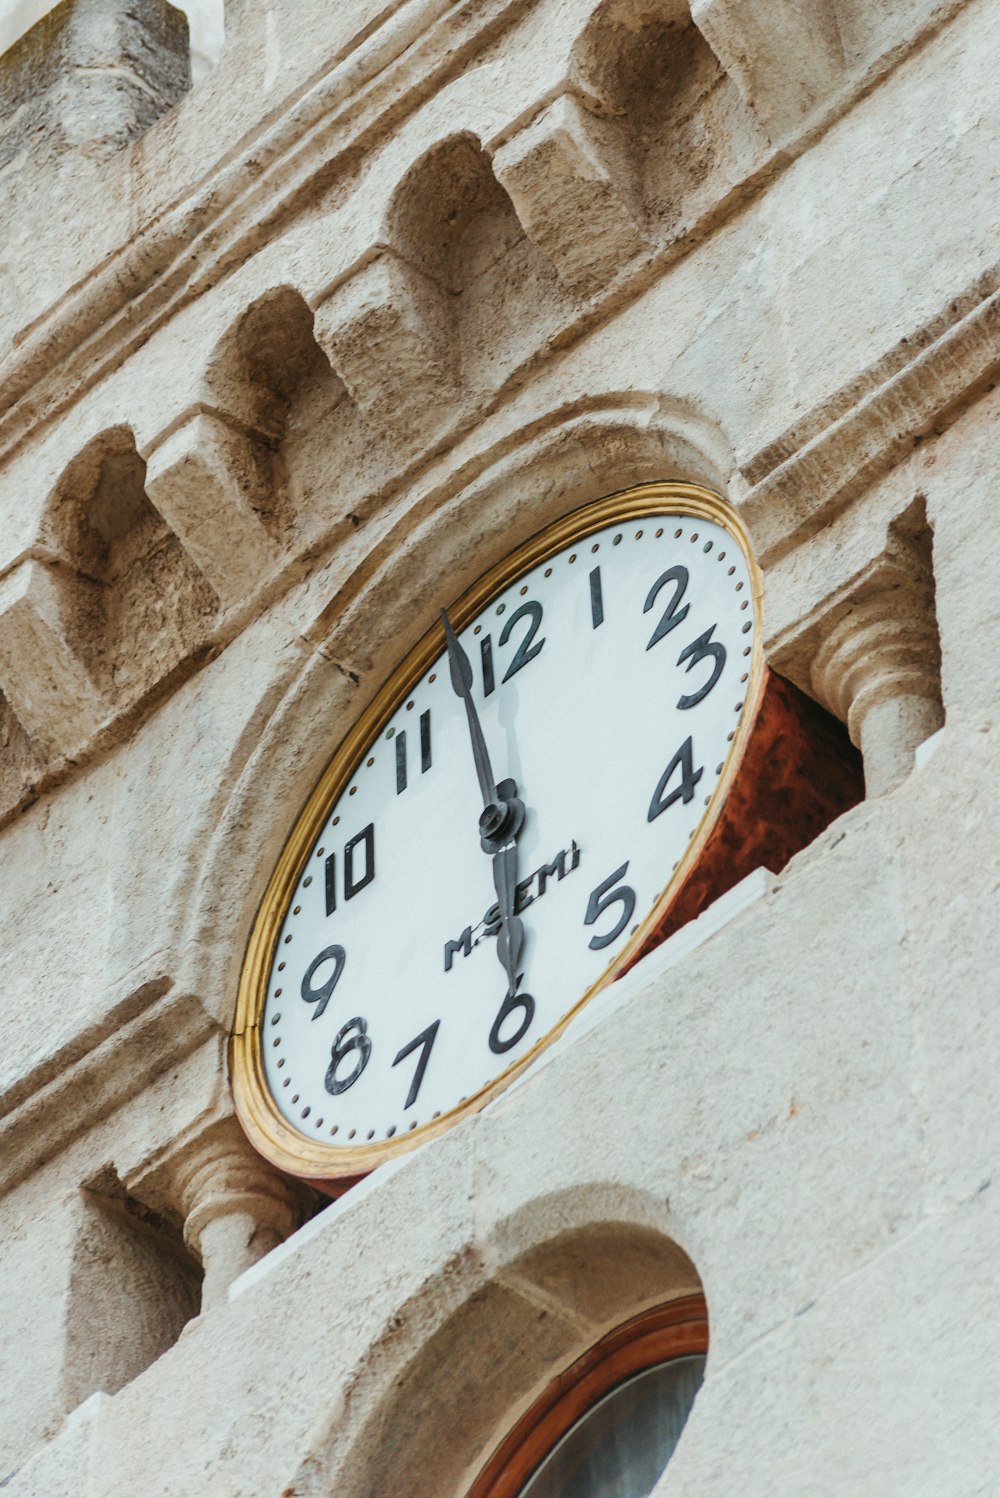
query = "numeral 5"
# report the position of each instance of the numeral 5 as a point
(602, 898)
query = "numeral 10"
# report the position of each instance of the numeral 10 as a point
(359, 867)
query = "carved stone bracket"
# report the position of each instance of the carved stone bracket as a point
(46, 683)
(870, 652)
(208, 482)
(387, 331)
(570, 194)
(235, 1207)
(785, 56)
(879, 671)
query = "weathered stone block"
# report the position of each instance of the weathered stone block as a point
(45, 682)
(208, 482)
(91, 75)
(572, 194)
(387, 332)
(785, 56)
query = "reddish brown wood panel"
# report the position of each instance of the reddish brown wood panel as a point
(798, 772)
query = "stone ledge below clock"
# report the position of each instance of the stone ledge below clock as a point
(728, 908)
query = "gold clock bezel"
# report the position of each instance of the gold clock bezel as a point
(267, 1129)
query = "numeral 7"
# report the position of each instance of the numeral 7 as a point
(425, 1039)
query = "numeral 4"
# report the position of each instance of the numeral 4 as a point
(662, 798)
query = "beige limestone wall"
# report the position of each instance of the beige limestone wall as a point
(389, 289)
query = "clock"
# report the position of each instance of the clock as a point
(526, 806)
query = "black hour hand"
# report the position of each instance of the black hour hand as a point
(510, 937)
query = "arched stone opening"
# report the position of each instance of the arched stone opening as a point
(436, 1415)
(452, 221)
(668, 114)
(134, 606)
(270, 378)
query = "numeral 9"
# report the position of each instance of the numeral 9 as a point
(321, 996)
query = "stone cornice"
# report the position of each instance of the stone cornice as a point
(915, 391)
(193, 242)
(64, 1094)
(369, 85)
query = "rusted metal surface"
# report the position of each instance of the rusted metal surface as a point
(798, 772)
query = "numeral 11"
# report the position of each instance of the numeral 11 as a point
(425, 751)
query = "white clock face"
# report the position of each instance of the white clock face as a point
(610, 681)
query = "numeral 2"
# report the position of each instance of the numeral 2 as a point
(525, 652)
(671, 616)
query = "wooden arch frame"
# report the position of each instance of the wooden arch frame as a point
(675, 1329)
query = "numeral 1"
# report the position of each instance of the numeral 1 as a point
(596, 598)
(486, 651)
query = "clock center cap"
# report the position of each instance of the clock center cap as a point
(501, 820)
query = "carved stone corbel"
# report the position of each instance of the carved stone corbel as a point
(208, 481)
(879, 671)
(235, 1206)
(388, 333)
(872, 656)
(785, 56)
(570, 194)
(45, 681)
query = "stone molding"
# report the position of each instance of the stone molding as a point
(169, 263)
(60, 1096)
(851, 442)
(186, 248)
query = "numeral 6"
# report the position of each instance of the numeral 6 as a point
(512, 1002)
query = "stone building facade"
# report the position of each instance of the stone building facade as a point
(289, 358)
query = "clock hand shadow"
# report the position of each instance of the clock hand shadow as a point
(510, 759)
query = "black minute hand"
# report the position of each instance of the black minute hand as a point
(461, 680)
(501, 817)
